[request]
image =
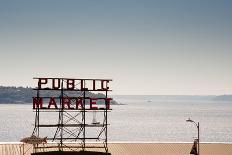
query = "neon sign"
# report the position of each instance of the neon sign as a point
(73, 102)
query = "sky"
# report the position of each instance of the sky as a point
(148, 47)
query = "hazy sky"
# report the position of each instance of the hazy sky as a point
(146, 47)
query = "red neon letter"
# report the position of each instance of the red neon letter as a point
(42, 81)
(108, 103)
(52, 102)
(92, 103)
(37, 102)
(79, 102)
(70, 84)
(65, 103)
(54, 83)
(106, 84)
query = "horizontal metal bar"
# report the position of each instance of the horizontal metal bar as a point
(72, 125)
(72, 79)
(74, 97)
(70, 110)
(79, 90)
(65, 146)
(96, 138)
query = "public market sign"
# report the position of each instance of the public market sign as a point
(79, 88)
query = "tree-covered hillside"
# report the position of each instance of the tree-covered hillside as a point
(24, 95)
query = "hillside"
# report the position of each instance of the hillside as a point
(223, 98)
(24, 95)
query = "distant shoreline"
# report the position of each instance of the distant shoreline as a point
(22, 95)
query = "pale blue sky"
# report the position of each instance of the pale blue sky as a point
(146, 47)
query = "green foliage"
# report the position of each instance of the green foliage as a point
(24, 95)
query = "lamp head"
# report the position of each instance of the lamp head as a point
(189, 120)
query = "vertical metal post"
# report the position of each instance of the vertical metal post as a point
(106, 106)
(37, 111)
(36, 128)
(61, 114)
(84, 122)
(198, 134)
(198, 137)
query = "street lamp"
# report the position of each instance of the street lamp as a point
(198, 134)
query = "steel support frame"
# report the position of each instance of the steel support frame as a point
(62, 124)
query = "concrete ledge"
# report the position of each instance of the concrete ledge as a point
(71, 153)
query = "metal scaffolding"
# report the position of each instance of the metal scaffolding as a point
(74, 125)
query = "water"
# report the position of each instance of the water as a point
(161, 120)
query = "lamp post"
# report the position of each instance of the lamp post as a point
(198, 134)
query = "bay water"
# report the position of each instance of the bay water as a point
(139, 119)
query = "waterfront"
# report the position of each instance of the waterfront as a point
(139, 120)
